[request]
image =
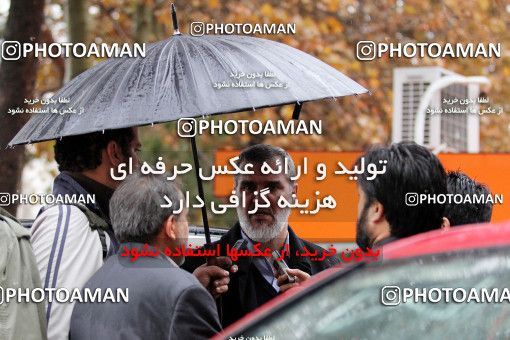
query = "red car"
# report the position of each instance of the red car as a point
(450, 284)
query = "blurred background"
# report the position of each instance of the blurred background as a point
(326, 29)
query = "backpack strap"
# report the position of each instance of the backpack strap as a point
(4, 212)
(95, 222)
(14, 224)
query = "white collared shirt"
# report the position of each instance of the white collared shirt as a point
(264, 266)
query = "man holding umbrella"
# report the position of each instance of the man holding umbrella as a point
(70, 242)
(257, 280)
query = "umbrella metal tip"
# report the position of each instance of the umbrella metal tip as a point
(174, 20)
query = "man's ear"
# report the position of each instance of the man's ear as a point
(446, 224)
(114, 153)
(376, 212)
(169, 228)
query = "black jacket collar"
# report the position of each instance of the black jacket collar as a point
(295, 244)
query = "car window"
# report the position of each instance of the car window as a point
(351, 306)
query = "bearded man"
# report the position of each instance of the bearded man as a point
(388, 207)
(257, 280)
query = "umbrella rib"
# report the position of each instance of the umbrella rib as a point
(142, 63)
(126, 74)
(179, 62)
(192, 74)
(81, 85)
(222, 63)
(114, 63)
(313, 74)
(89, 89)
(303, 67)
(73, 88)
(288, 74)
(255, 55)
(105, 85)
(137, 84)
(208, 72)
(169, 43)
(168, 65)
(318, 65)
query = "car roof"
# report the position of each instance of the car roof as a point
(453, 239)
(487, 235)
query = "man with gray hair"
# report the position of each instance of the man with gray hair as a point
(165, 302)
(257, 279)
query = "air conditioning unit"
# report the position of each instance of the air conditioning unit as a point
(457, 131)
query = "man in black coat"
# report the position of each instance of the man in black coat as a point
(256, 280)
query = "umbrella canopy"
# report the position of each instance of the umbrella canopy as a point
(184, 76)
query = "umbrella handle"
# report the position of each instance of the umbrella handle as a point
(200, 190)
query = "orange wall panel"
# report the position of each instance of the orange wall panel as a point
(338, 225)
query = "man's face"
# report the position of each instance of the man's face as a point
(266, 223)
(181, 229)
(362, 227)
(134, 149)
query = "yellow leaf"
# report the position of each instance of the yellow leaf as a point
(267, 10)
(214, 4)
(335, 25)
(333, 5)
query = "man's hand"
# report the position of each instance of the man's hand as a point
(224, 262)
(213, 277)
(300, 276)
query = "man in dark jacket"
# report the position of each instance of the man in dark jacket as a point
(70, 242)
(389, 206)
(460, 184)
(164, 301)
(256, 280)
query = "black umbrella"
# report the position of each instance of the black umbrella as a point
(183, 76)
